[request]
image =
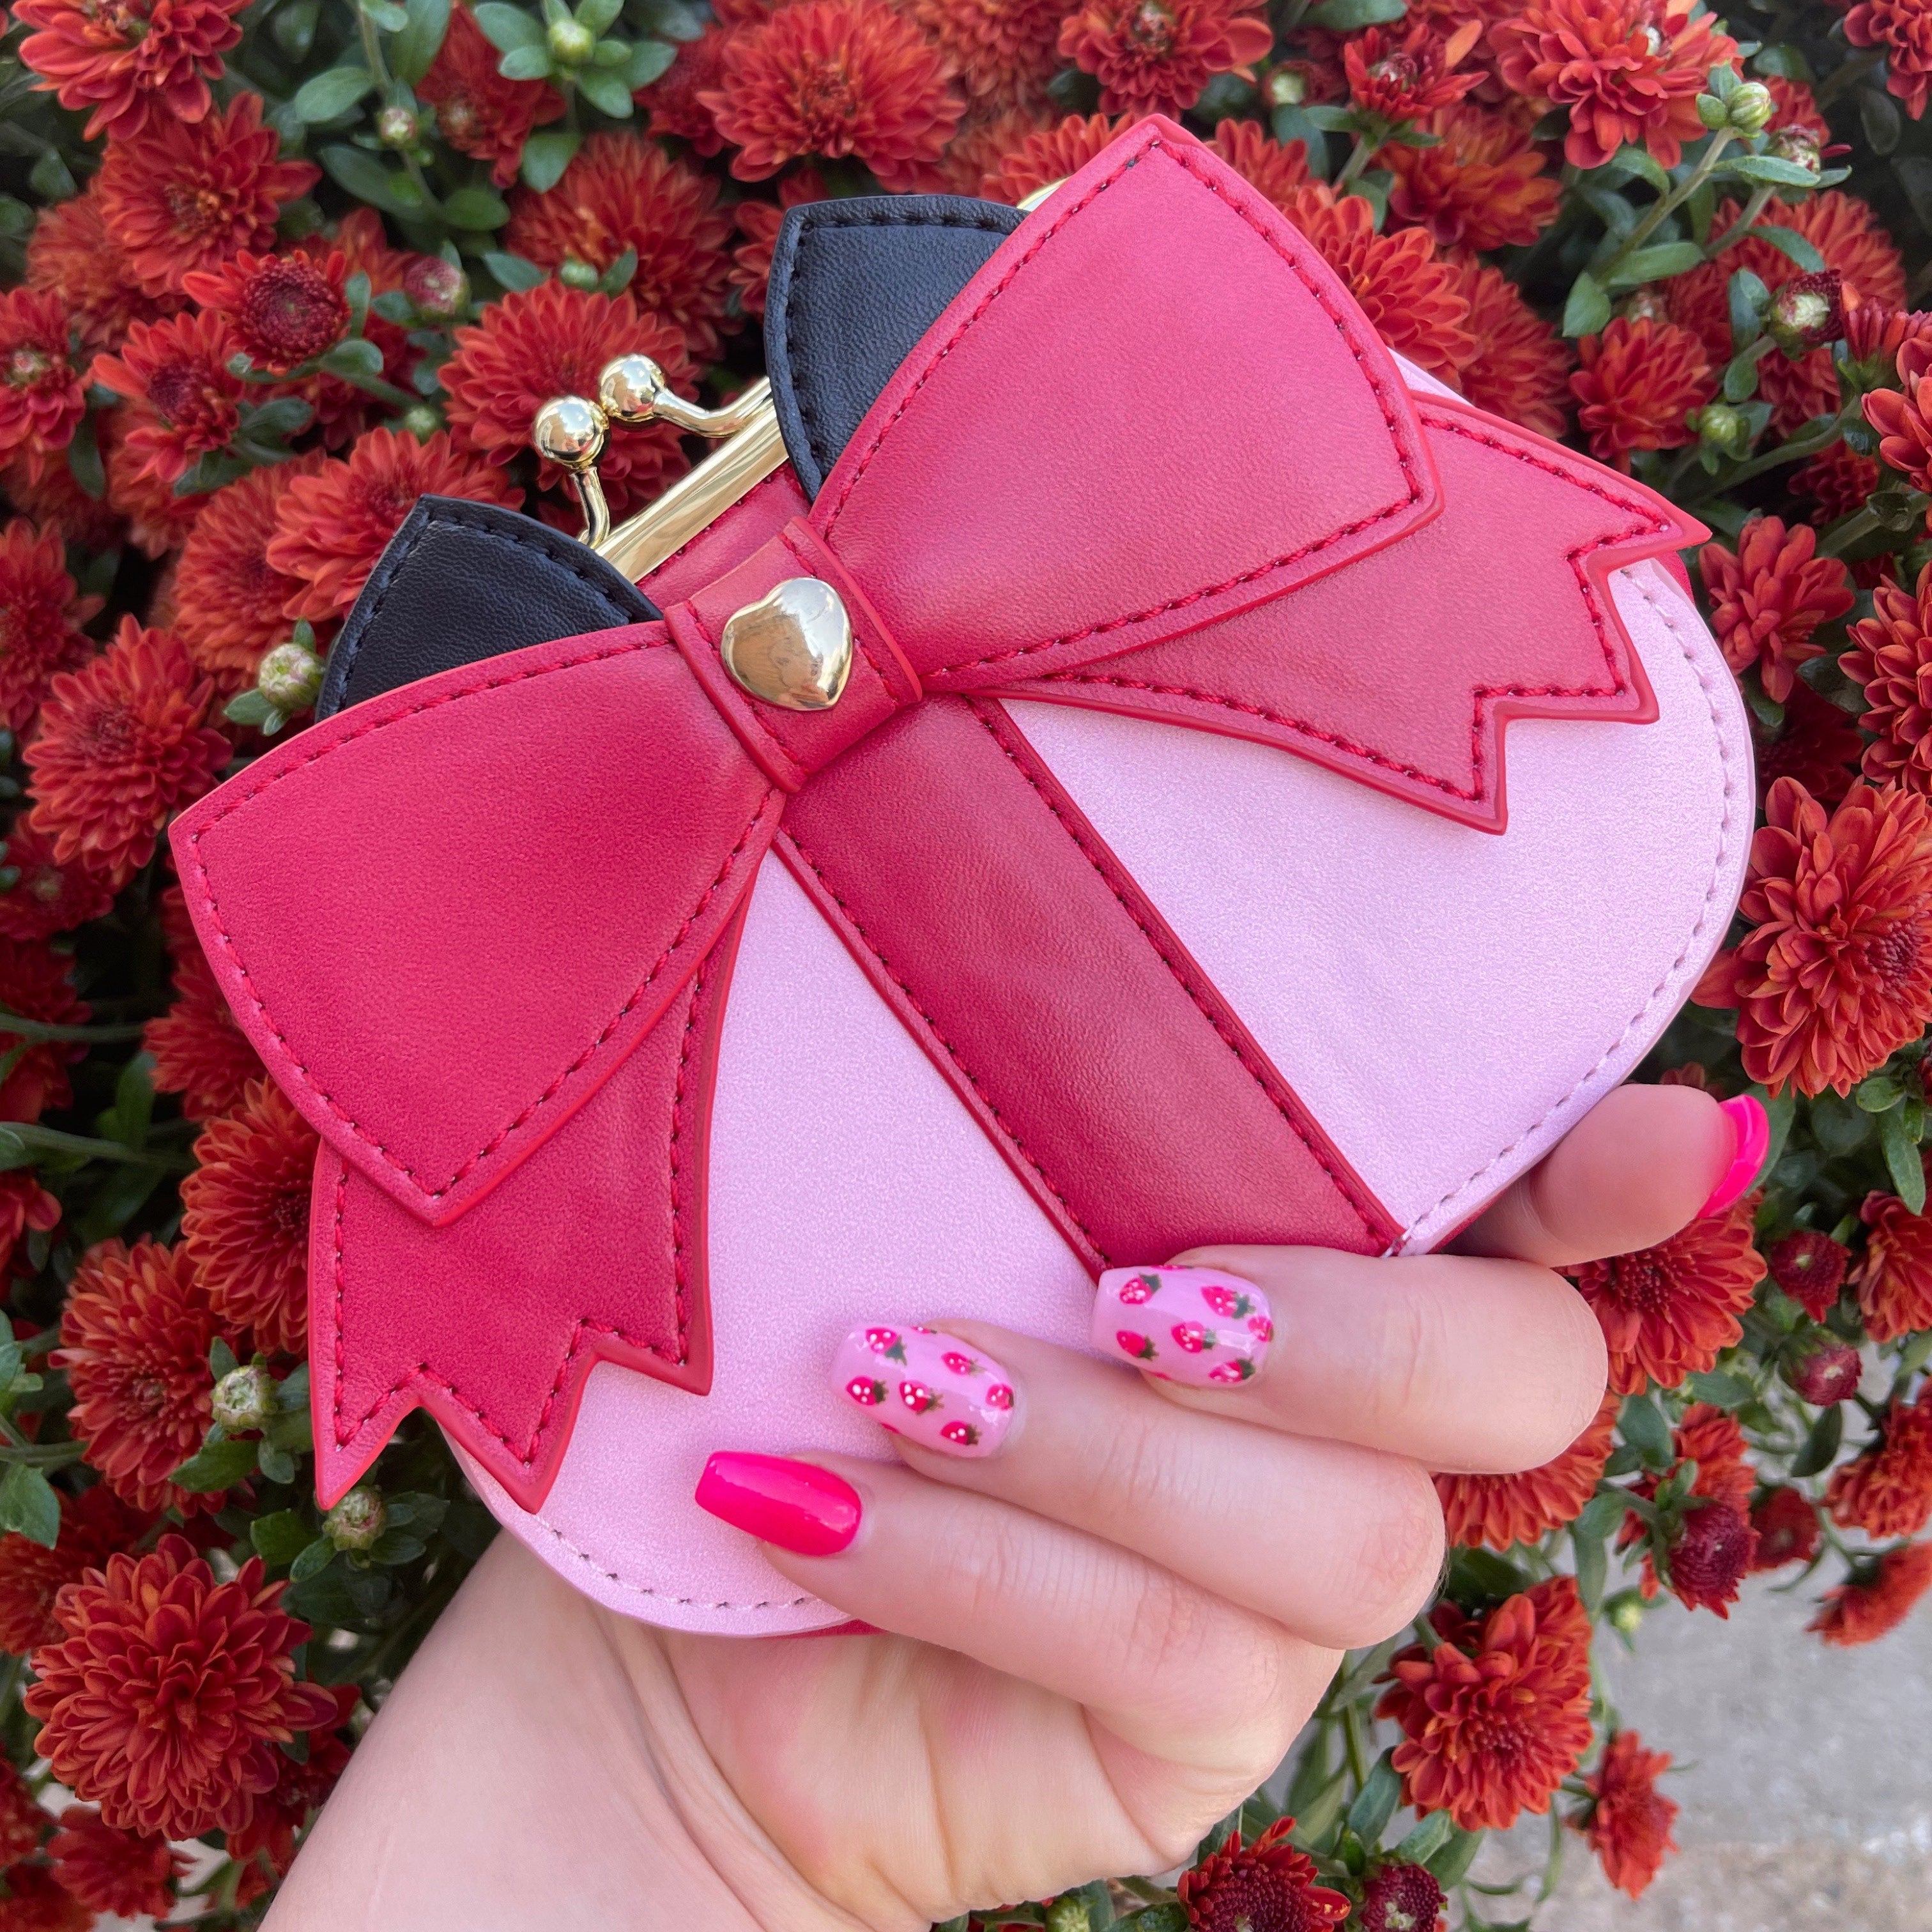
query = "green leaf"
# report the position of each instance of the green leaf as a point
(1792, 245)
(249, 707)
(1641, 1423)
(1601, 1515)
(598, 15)
(473, 208)
(1838, 1127)
(414, 50)
(1428, 1837)
(1593, 1567)
(396, 1545)
(1877, 1093)
(1785, 60)
(546, 155)
(1375, 1802)
(1879, 114)
(292, 28)
(1719, 1388)
(363, 177)
(505, 27)
(1451, 1865)
(1634, 160)
(311, 1560)
(512, 271)
(650, 60)
(415, 1510)
(1902, 1160)
(292, 1393)
(29, 1506)
(1768, 171)
(1587, 310)
(1657, 264)
(357, 356)
(611, 54)
(386, 14)
(50, 178)
(606, 91)
(526, 63)
(1821, 1446)
(14, 1152)
(1330, 118)
(1741, 372)
(280, 1537)
(83, 460)
(275, 1463)
(618, 276)
(221, 1360)
(1293, 124)
(333, 91)
(1345, 17)
(1748, 299)
(217, 1465)
(1171, 1917)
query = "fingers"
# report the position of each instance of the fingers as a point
(1166, 1666)
(1642, 1163)
(1458, 1363)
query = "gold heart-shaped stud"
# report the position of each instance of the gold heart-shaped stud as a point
(793, 647)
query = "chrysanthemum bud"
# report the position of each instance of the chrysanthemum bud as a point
(1712, 112)
(1712, 1552)
(1287, 87)
(439, 289)
(1805, 312)
(1647, 304)
(1400, 1898)
(1823, 1370)
(1794, 144)
(1625, 1612)
(396, 127)
(1724, 429)
(1751, 107)
(290, 678)
(1810, 1268)
(576, 274)
(422, 422)
(571, 44)
(358, 1520)
(244, 1398)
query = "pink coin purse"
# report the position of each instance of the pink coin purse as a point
(1140, 767)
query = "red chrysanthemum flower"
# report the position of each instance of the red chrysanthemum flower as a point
(34, 983)
(135, 1337)
(200, 1052)
(1670, 1311)
(1498, 1715)
(123, 743)
(156, 519)
(228, 598)
(23, 1823)
(1877, 1599)
(551, 341)
(1795, 110)
(834, 78)
(1711, 1541)
(1893, 653)
(342, 411)
(1277, 169)
(1903, 28)
(1414, 301)
(1628, 1820)
(1401, 1897)
(1769, 595)
(266, 1844)
(109, 1870)
(1004, 52)
(1482, 186)
(1266, 1885)
(1893, 1281)
(47, 895)
(187, 401)
(187, 195)
(1711, 1556)
(1848, 234)
(623, 192)
(1837, 483)
(1836, 973)
(120, 1725)
(1875, 332)
(1502, 1510)
(244, 1218)
(36, 1901)
(24, 1203)
(759, 222)
(93, 1526)
(1787, 1528)
(1810, 1268)
(1403, 77)
(1887, 1490)
(1048, 155)
(1521, 369)
(286, 310)
(1155, 56)
(1627, 70)
(331, 527)
(42, 398)
(70, 254)
(1817, 746)
(1639, 384)
(130, 60)
(478, 111)
(40, 617)
(671, 101)
(55, 502)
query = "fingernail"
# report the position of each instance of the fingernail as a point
(1196, 1325)
(799, 1506)
(928, 1386)
(1752, 1126)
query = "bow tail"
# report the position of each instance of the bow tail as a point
(465, 1320)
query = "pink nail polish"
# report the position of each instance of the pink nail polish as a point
(797, 1505)
(1197, 1325)
(1752, 1126)
(929, 1386)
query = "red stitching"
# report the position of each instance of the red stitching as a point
(1483, 694)
(1103, 862)
(1391, 416)
(549, 1093)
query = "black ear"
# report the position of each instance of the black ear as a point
(855, 284)
(461, 581)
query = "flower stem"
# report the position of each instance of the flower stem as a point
(1745, 222)
(24, 1028)
(51, 1140)
(1853, 71)
(1806, 442)
(1360, 155)
(1666, 205)
(1860, 524)
(372, 52)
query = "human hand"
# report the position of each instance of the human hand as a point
(1102, 1636)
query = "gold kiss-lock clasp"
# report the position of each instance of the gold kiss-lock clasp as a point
(793, 647)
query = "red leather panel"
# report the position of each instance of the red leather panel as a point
(1158, 335)
(444, 916)
(1397, 670)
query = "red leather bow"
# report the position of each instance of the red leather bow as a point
(1153, 460)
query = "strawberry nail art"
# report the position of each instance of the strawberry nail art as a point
(933, 1389)
(1195, 1325)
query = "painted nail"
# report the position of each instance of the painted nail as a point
(1196, 1325)
(799, 1506)
(929, 1386)
(1752, 1126)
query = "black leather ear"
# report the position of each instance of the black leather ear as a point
(855, 283)
(461, 581)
